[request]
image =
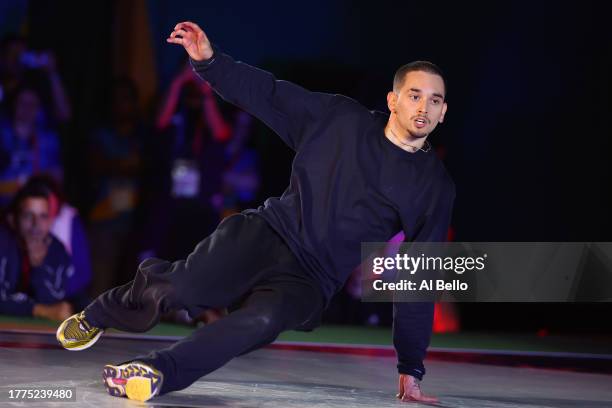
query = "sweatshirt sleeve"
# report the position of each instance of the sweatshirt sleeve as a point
(11, 302)
(413, 321)
(286, 108)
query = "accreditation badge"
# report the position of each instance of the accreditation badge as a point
(185, 179)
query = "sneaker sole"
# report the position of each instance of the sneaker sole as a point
(115, 386)
(139, 389)
(77, 348)
(136, 388)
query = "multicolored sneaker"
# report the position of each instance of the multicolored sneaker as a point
(75, 333)
(135, 380)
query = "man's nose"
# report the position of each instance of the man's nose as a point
(36, 222)
(422, 108)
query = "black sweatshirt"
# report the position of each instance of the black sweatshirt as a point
(349, 184)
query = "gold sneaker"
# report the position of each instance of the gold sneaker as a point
(75, 333)
(135, 380)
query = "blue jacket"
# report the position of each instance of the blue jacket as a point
(45, 284)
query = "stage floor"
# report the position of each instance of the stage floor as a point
(283, 378)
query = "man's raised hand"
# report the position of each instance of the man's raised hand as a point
(193, 39)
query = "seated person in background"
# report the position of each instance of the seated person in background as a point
(68, 228)
(34, 265)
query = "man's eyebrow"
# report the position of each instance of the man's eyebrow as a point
(435, 94)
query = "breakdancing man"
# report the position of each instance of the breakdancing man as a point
(357, 176)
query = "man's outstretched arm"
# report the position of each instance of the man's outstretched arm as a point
(285, 107)
(413, 322)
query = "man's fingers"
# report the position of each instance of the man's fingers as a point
(420, 398)
(180, 32)
(406, 398)
(175, 40)
(400, 395)
(427, 398)
(181, 25)
(409, 391)
(179, 36)
(190, 26)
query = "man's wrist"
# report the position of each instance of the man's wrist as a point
(200, 65)
(205, 63)
(416, 372)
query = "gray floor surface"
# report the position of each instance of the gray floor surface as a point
(276, 378)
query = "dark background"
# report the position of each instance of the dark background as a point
(527, 135)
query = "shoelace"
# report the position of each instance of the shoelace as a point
(83, 324)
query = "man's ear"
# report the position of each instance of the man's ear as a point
(444, 107)
(391, 101)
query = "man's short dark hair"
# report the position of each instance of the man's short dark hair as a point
(425, 66)
(46, 182)
(29, 190)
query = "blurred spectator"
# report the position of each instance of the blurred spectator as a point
(27, 144)
(195, 133)
(117, 164)
(19, 65)
(34, 266)
(241, 179)
(68, 228)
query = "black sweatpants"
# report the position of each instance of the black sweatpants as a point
(245, 262)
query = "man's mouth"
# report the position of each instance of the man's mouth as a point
(420, 122)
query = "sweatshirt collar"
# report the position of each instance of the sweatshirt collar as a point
(381, 121)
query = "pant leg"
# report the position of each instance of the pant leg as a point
(138, 305)
(274, 306)
(222, 268)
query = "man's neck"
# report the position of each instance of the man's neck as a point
(37, 249)
(403, 140)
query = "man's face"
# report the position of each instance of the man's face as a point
(419, 105)
(34, 221)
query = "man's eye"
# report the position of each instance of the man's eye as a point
(414, 97)
(435, 101)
